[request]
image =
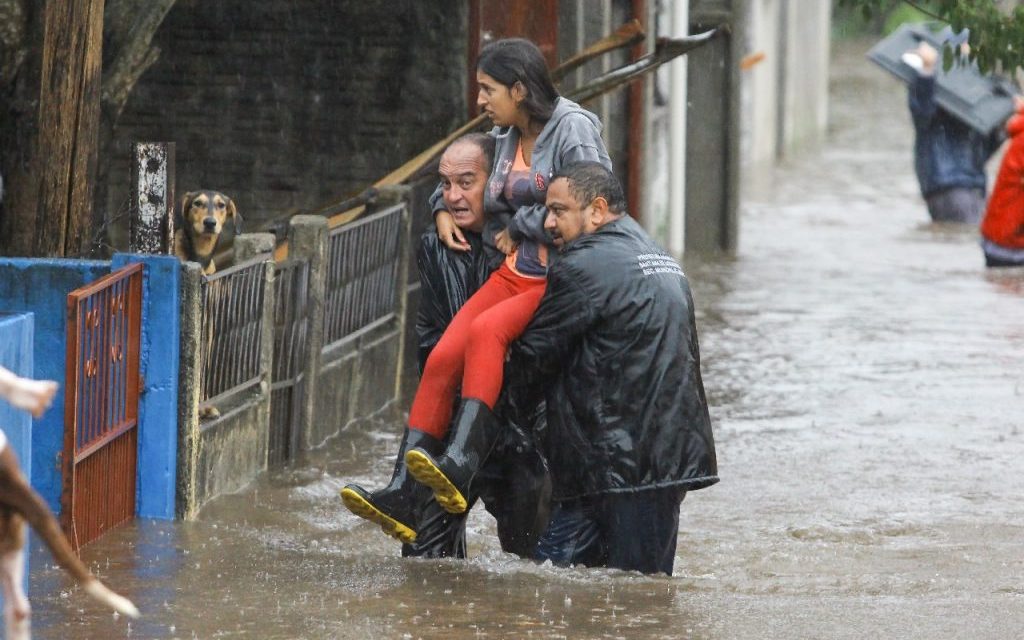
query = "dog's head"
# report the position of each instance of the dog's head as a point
(206, 212)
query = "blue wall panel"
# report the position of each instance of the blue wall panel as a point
(158, 403)
(41, 286)
(16, 356)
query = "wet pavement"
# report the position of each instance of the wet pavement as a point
(866, 380)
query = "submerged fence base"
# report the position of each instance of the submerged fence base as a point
(357, 378)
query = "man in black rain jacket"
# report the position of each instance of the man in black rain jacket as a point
(514, 483)
(628, 431)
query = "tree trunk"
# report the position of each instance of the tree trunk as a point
(69, 113)
(51, 122)
(19, 92)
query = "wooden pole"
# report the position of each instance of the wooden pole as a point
(69, 113)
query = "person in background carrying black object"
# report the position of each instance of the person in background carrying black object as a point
(628, 431)
(949, 156)
(514, 485)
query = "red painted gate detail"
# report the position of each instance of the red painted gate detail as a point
(101, 405)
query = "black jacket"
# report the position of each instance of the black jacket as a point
(514, 484)
(626, 405)
(447, 279)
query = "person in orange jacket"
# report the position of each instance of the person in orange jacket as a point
(1002, 228)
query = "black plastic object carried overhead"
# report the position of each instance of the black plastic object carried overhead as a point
(979, 101)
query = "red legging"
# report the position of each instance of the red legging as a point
(473, 347)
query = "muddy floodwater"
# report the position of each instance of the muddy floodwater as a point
(866, 380)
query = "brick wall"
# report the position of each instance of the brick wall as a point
(287, 105)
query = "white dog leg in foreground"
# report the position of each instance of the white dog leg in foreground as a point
(33, 396)
(17, 611)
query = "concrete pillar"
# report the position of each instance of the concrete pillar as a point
(307, 240)
(677, 135)
(187, 504)
(151, 221)
(160, 360)
(249, 245)
(16, 338)
(713, 129)
(266, 355)
(785, 97)
(804, 103)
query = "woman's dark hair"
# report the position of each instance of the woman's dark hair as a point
(518, 60)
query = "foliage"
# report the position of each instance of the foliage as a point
(996, 29)
(850, 21)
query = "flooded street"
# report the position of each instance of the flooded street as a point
(866, 380)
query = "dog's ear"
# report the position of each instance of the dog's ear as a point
(234, 215)
(186, 202)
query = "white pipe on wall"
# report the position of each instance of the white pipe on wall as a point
(677, 135)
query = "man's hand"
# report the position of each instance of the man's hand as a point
(449, 232)
(922, 59)
(929, 57)
(505, 243)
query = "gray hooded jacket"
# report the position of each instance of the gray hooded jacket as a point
(573, 134)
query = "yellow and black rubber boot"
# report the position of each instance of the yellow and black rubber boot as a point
(394, 506)
(472, 437)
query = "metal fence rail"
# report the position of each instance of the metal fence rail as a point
(291, 333)
(229, 355)
(101, 404)
(362, 273)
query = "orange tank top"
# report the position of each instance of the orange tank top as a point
(530, 259)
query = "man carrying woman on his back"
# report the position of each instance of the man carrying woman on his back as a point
(537, 134)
